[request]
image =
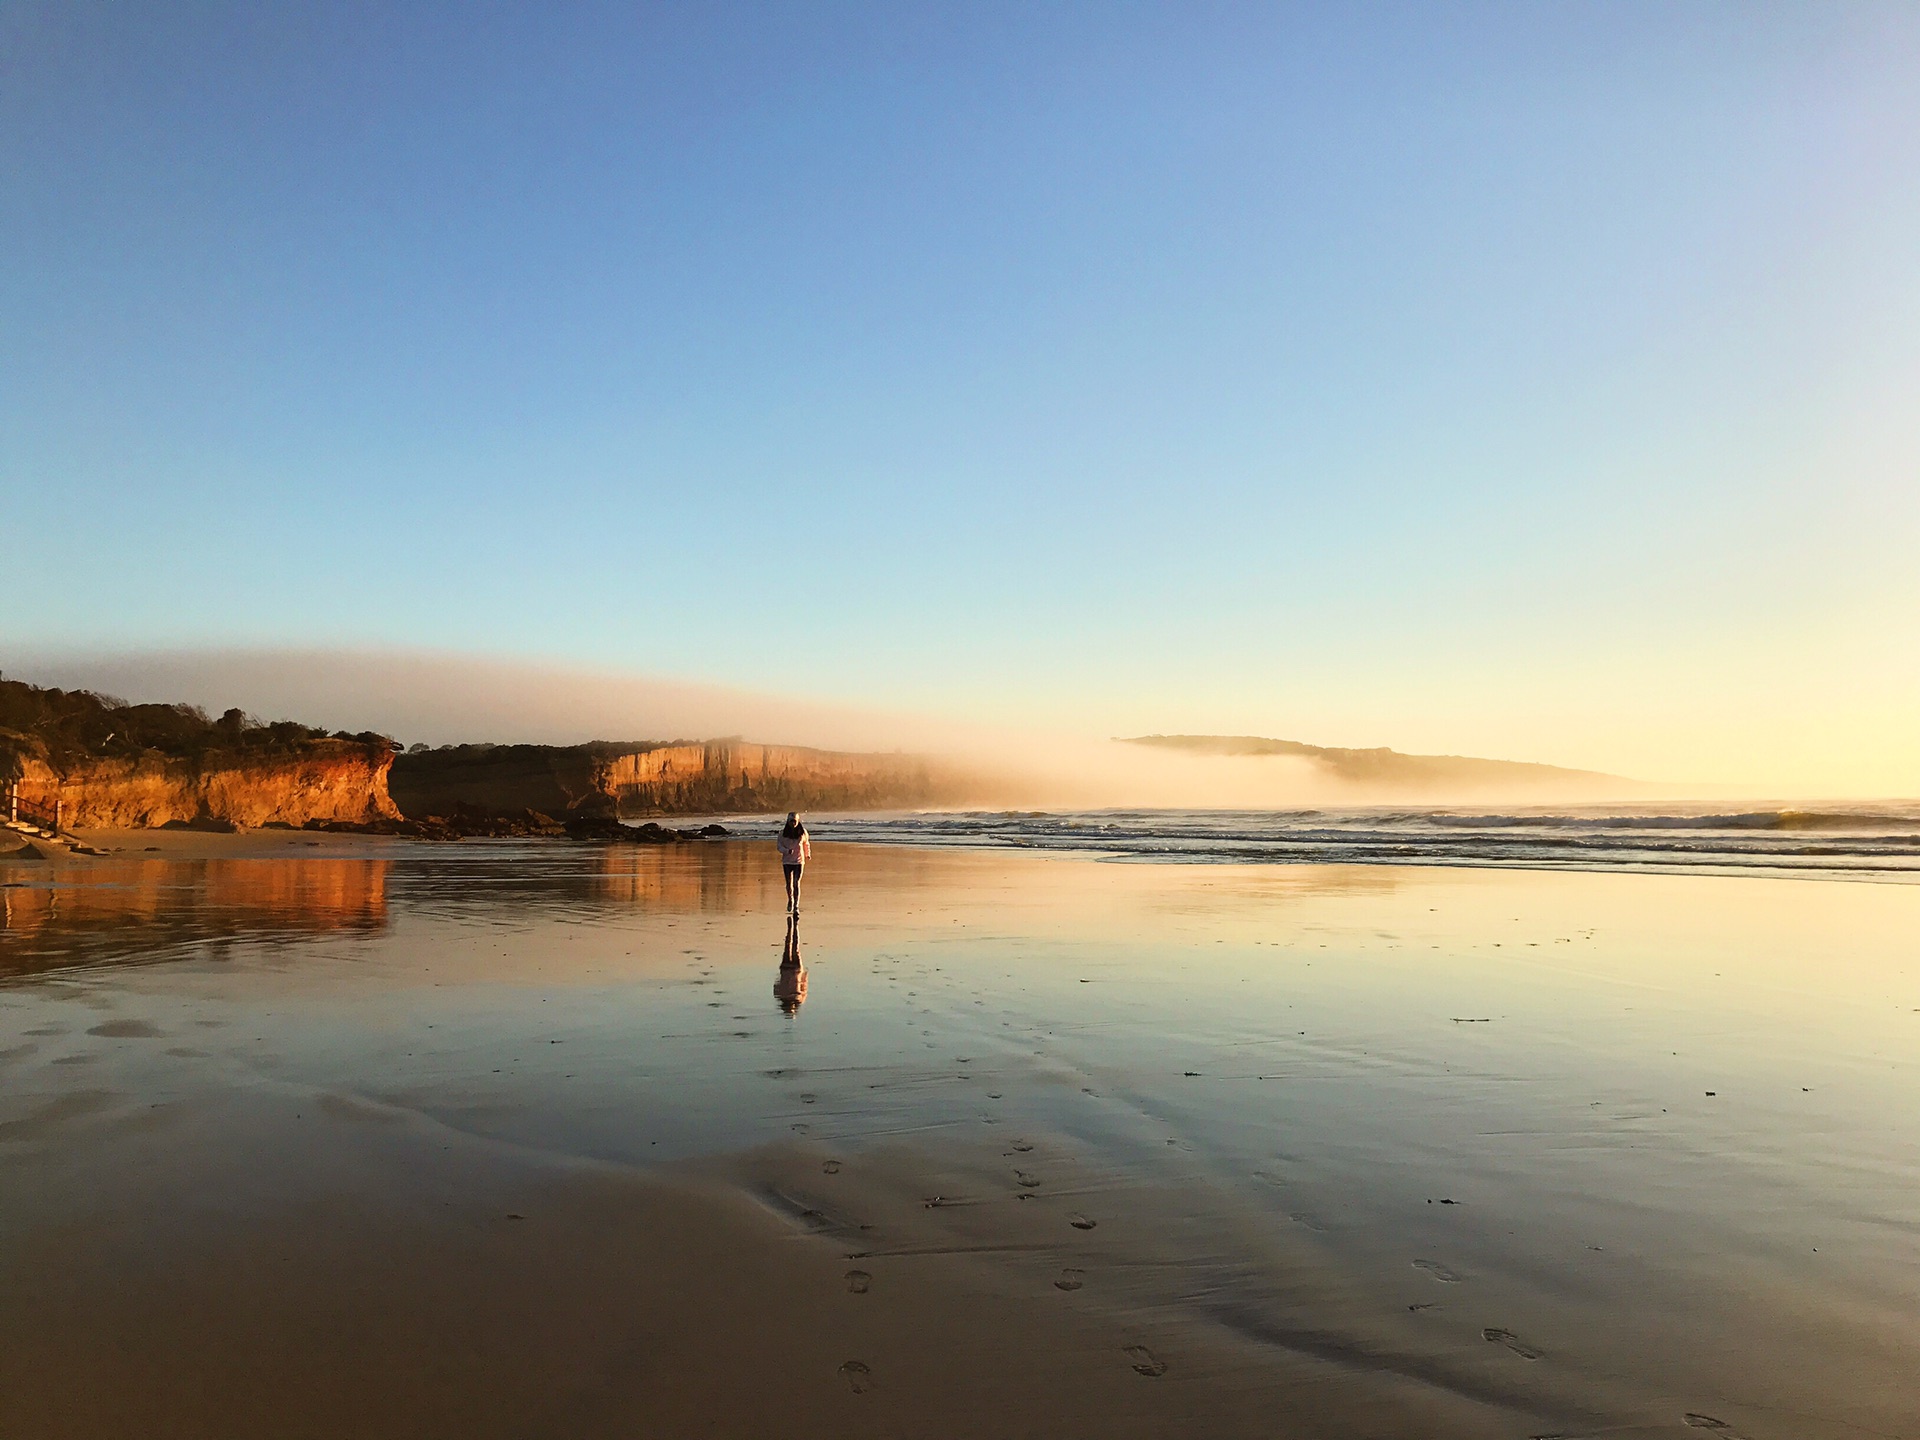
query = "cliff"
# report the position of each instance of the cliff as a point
(606, 779)
(111, 764)
(115, 765)
(320, 780)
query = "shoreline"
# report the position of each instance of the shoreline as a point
(335, 841)
(327, 842)
(1865, 845)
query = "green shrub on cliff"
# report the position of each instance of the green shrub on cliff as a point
(63, 726)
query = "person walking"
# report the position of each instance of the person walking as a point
(795, 850)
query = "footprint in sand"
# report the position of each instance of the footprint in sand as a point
(125, 1030)
(831, 1167)
(1026, 1181)
(1079, 1221)
(858, 1376)
(1069, 1279)
(1438, 1271)
(858, 1281)
(1512, 1341)
(1023, 1146)
(1144, 1361)
(1707, 1422)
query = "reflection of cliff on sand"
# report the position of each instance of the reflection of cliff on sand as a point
(790, 989)
(692, 878)
(147, 906)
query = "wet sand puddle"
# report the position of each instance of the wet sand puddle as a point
(1100, 1148)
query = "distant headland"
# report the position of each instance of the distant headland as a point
(1389, 770)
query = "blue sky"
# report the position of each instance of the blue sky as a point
(1527, 380)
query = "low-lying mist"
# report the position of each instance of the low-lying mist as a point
(435, 698)
(1041, 771)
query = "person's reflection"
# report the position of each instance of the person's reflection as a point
(791, 988)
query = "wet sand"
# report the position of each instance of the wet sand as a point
(506, 1139)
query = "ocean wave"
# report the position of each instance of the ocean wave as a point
(1880, 841)
(1744, 820)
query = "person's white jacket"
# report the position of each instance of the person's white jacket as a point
(795, 850)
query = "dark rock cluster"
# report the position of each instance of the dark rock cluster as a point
(466, 824)
(650, 833)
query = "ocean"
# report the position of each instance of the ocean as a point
(1873, 840)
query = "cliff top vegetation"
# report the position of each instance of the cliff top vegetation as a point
(63, 726)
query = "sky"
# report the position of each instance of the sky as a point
(1534, 381)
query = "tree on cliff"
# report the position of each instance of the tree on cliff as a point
(65, 726)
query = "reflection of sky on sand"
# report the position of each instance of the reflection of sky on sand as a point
(1677, 1110)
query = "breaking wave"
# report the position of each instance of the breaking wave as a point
(1880, 841)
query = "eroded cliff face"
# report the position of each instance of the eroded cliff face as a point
(710, 777)
(721, 776)
(556, 780)
(317, 780)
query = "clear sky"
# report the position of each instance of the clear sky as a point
(1539, 381)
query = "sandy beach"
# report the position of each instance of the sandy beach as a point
(339, 1135)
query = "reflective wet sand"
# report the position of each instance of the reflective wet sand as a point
(516, 1140)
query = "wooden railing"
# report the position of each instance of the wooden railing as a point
(48, 814)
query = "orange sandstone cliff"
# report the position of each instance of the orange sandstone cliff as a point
(110, 764)
(114, 765)
(340, 780)
(607, 779)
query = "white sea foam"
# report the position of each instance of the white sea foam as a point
(1878, 840)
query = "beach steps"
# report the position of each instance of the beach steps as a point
(44, 821)
(45, 842)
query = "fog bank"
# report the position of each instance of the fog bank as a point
(438, 698)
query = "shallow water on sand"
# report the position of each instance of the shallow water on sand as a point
(1518, 1153)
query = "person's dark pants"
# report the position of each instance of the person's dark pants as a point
(793, 883)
